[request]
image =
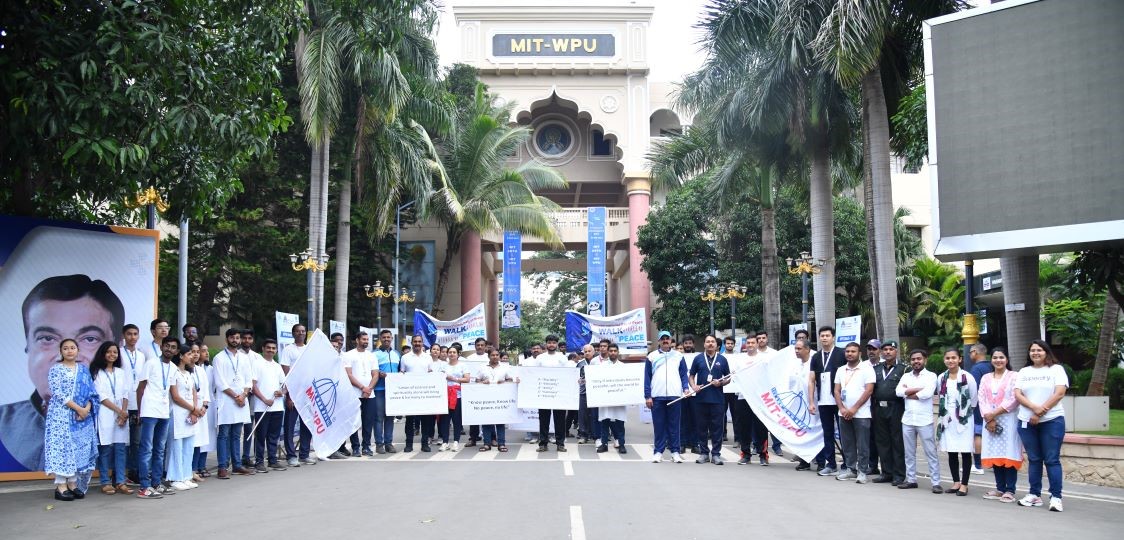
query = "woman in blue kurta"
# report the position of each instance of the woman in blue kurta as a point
(70, 442)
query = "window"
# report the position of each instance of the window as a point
(601, 146)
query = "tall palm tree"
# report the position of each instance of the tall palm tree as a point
(861, 40)
(482, 194)
(372, 49)
(762, 73)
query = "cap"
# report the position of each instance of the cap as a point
(663, 334)
(890, 343)
(874, 343)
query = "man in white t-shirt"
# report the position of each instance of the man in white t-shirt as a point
(362, 371)
(233, 381)
(269, 408)
(247, 346)
(154, 404)
(552, 358)
(417, 362)
(133, 360)
(289, 356)
(854, 383)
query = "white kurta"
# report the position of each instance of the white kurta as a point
(233, 372)
(116, 388)
(202, 379)
(132, 362)
(613, 413)
(184, 385)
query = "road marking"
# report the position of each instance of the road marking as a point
(568, 468)
(577, 524)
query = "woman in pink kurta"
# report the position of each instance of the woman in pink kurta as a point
(1001, 449)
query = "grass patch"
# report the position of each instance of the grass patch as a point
(1115, 424)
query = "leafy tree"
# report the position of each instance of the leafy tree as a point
(1103, 268)
(102, 99)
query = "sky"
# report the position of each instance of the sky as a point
(671, 39)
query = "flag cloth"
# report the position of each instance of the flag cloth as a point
(464, 329)
(777, 390)
(512, 314)
(628, 330)
(323, 395)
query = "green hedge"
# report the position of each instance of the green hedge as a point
(1113, 387)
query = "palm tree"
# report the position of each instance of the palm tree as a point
(371, 50)
(482, 194)
(861, 40)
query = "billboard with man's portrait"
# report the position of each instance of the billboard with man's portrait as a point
(57, 281)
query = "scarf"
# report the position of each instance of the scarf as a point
(961, 405)
(1000, 387)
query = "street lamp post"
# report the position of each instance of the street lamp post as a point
(306, 262)
(710, 295)
(378, 292)
(734, 292)
(397, 256)
(402, 297)
(722, 291)
(804, 265)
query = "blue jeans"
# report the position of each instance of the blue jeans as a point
(384, 425)
(111, 456)
(228, 445)
(1005, 478)
(150, 454)
(688, 433)
(826, 457)
(198, 460)
(665, 423)
(367, 425)
(498, 431)
(179, 458)
(292, 418)
(616, 427)
(1043, 444)
(265, 440)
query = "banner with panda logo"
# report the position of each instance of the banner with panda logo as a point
(512, 262)
(595, 263)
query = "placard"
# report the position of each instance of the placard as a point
(487, 404)
(609, 385)
(847, 330)
(548, 388)
(416, 394)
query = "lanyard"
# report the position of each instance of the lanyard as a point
(112, 383)
(710, 364)
(233, 360)
(155, 349)
(886, 371)
(850, 375)
(196, 375)
(164, 371)
(132, 360)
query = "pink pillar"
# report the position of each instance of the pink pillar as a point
(470, 272)
(639, 195)
(490, 305)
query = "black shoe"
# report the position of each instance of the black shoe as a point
(78, 495)
(380, 450)
(897, 483)
(542, 448)
(346, 453)
(366, 452)
(882, 479)
(561, 448)
(602, 449)
(744, 460)
(66, 495)
(622, 450)
(409, 448)
(426, 448)
(803, 467)
(907, 485)
(938, 490)
(390, 449)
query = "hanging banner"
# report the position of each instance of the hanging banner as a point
(285, 322)
(414, 394)
(848, 329)
(777, 391)
(336, 326)
(487, 404)
(628, 330)
(612, 385)
(512, 266)
(464, 330)
(548, 388)
(323, 395)
(595, 263)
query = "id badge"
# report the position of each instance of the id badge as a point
(709, 377)
(237, 382)
(883, 403)
(843, 395)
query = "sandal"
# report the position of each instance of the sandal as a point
(470, 444)
(992, 495)
(1007, 498)
(485, 448)
(503, 448)
(108, 489)
(122, 488)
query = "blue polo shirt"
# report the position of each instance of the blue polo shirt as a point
(704, 370)
(389, 362)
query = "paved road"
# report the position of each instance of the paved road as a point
(526, 495)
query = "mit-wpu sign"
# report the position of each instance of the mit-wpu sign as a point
(553, 45)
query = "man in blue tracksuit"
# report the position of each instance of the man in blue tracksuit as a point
(665, 380)
(709, 373)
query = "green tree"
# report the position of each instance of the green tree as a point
(102, 99)
(1103, 268)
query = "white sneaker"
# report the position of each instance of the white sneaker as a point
(456, 446)
(1031, 500)
(191, 484)
(861, 479)
(180, 486)
(657, 458)
(845, 475)
(444, 447)
(977, 470)
(676, 457)
(1055, 504)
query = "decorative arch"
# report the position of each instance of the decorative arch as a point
(664, 121)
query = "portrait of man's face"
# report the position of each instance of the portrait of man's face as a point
(51, 321)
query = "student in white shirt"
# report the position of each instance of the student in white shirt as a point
(917, 387)
(247, 345)
(612, 418)
(854, 383)
(233, 380)
(112, 385)
(494, 373)
(1039, 391)
(185, 414)
(153, 404)
(456, 374)
(132, 362)
(269, 407)
(362, 372)
(551, 358)
(205, 427)
(289, 356)
(417, 361)
(159, 329)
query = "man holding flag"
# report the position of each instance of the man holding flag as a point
(323, 395)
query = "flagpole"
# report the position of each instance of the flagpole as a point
(692, 393)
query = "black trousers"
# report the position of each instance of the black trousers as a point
(828, 414)
(688, 433)
(888, 438)
(710, 418)
(422, 424)
(750, 431)
(267, 436)
(731, 405)
(559, 426)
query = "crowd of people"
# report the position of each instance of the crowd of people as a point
(148, 415)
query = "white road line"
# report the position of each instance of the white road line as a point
(568, 468)
(577, 524)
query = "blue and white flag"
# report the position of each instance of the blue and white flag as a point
(628, 330)
(595, 263)
(464, 329)
(776, 388)
(323, 395)
(512, 261)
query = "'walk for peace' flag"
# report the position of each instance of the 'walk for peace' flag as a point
(777, 390)
(323, 395)
(464, 329)
(628, 330)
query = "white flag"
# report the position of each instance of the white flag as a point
(776, 388)
(323, 395)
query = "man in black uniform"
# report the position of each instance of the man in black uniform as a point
(887, 415)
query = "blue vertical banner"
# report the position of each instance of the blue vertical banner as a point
(512, 266)
(595, 263)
